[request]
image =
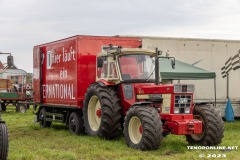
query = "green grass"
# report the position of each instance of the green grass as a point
(29, 141)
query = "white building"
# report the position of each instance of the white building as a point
(211, 55)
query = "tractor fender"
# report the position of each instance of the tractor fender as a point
(203, 104)
(140, 103)
(103, 82)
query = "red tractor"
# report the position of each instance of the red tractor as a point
(101, 93)
(128, 86)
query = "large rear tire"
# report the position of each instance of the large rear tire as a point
(75, 123)
(143, 128)
(101, 112)
(4, 145)
(213, 126)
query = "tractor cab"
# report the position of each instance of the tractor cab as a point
(136, 71)
(126, 65)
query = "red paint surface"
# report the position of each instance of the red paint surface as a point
(184, 126)
(74, 75)
(99, 113)
(140, 129)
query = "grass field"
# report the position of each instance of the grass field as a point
(29, 141)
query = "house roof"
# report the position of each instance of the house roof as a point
(13, 72)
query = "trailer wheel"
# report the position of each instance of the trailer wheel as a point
(3, 106)
(42, 119)
(75, 123)
(143, 128)
(3, 141)
(213, 127)
(101, 112)
(21, 108)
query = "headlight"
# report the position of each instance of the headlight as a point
(183, 88)
(187, 110)
(177, 88)
(176, 110)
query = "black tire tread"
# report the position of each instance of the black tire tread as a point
(79, 122)
(110, 124)
(4, 141)
(44, 124)
(214, 127)
(152, 127)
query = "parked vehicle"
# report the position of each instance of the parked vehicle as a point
(96, 88)
(13, 88)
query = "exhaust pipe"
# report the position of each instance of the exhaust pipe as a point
(157, 80)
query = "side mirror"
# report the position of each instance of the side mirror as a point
(173, 63)
(100, 62)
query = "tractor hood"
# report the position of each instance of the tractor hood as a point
(154, 89)
(163, 89)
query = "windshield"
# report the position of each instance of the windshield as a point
(137, 67)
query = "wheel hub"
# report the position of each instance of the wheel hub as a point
(135, 130)
(94, 113)
(140, 129)
(99, 113)
(73, 124)
(22, 109)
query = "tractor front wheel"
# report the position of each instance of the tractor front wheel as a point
(101, 112)
(213, 127)
(143, 128)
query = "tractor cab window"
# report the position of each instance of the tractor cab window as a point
(137, 67)
(112, 70)
(107, 68)
(102, 67)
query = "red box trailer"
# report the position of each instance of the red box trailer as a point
(64, 69)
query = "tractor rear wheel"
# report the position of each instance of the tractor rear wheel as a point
(42, 119)
(101, 112)
(3, 141)
(143, 128)
(75, 123)
(213, 127)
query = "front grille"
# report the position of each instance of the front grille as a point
(182, 102)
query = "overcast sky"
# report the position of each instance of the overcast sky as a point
(26, 23)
